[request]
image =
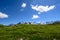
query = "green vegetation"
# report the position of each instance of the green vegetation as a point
(30, 32)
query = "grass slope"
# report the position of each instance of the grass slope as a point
(30, 32)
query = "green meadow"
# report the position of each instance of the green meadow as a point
(30, 32)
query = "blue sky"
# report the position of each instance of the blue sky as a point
(14, 11)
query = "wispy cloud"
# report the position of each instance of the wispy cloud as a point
(3, 15)
(35, 16)
(42, 8)
(23, 5)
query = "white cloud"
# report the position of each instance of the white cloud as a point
(3, 15)
(23, 5)
(39, 13)
(42, 8)
(35, 16)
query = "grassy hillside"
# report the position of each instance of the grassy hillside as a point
(30, 32)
